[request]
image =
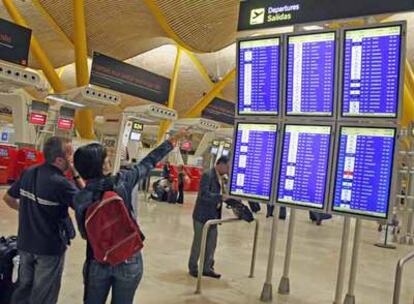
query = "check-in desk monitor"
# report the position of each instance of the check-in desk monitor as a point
(304, 168)
(364, 171)
(311, 70)
(371, 72)
(259, 76)
(253, 160)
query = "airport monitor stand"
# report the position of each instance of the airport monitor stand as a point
(284, 285)
(267, 292)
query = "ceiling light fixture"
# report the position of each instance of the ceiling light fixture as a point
(62, 99)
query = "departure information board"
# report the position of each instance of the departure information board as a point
(311, 61)
(253, 160)
(258, 76)
(364, 171)
(304, 167)
(371, 74)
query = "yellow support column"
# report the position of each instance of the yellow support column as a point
(165, 125)
(196, 110)
(200, 67)
(37, 51)
(84, 118)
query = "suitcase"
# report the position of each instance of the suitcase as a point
(8, 251)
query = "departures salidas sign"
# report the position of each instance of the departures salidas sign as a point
(257, 14)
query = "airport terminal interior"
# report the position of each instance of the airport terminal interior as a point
(310, 106)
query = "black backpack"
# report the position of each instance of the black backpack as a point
(240, 210)
(8, 250)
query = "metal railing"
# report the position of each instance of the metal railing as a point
(398, 277)
(206, 228)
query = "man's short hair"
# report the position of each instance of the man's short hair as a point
(54, 147)
(223, 160)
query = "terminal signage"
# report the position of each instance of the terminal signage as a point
(220, 110)
(125, 78)
(258, 14)
(364, 171)
(371, 73)
(65, 123)
(37, 119)
(14, 42)
(253, 160)
(304, 169)
(311, 60)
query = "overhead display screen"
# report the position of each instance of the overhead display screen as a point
(364, 171)
(304, 167)
(311, 61)
(253, 161)
(371, 72)
(258, 76)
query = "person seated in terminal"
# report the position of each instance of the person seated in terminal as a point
(208, 207)
(42, 197)
(93, 165)
(161, 189)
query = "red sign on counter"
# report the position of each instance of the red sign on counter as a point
(37, 119)
(65, 123)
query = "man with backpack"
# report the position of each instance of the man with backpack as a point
(208, 207)
(106, 219)
(42, 197)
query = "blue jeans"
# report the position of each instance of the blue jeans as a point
(123, 279)
(39, 278)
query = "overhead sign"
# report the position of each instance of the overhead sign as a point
(136, 126)
(37, 119)
(220, 110)
(125, 78)
(258, 14)
(65, 123)
(14, 42)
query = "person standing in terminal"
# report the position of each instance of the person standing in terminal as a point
(208, 207)
(94, 166)
(181, 180)
(42, 197)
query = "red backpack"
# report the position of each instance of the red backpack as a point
(113, 235)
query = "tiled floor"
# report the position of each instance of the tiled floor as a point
(313, 271)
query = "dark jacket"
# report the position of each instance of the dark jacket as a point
(209, 198)
(122, 183)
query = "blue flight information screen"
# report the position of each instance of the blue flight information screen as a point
(311, 62)
(253, 161)
(371, 74)
(258, 76)
(304, 167)
(364, 171)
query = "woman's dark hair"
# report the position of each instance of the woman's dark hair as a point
(89, 161)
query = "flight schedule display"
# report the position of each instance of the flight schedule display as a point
(311, 61)
(371, 72)
(253, 160)
(259, 76)
(364, 171)
(304, 166)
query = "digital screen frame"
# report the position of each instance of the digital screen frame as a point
(392, 185)
(337, 51)
(301, 205)
(257, 199)
(281, 39)
(400, 91)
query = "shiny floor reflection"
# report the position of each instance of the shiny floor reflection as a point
(168, 229)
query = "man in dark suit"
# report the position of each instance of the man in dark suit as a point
(208, 207)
